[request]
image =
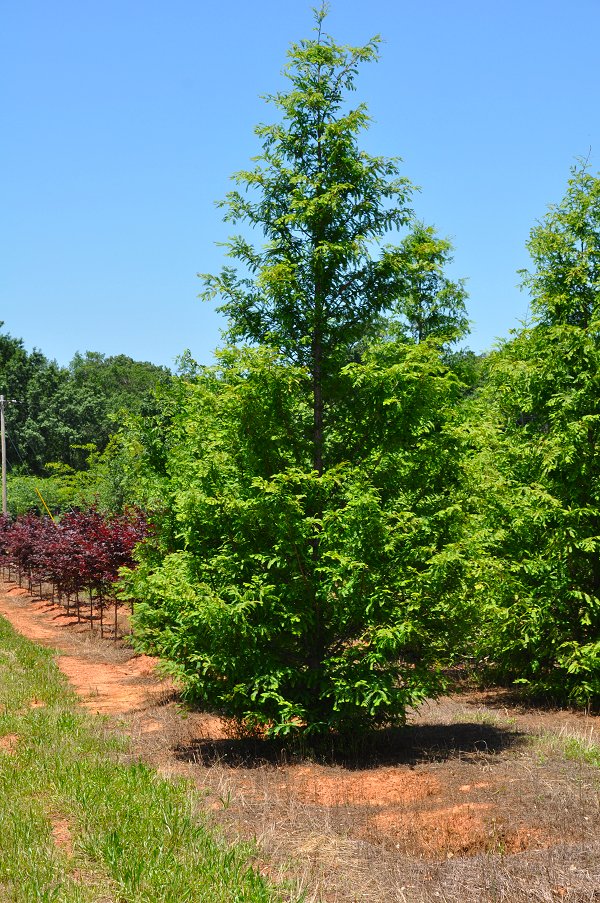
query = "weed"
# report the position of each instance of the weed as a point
(574, 747)
(577, 749)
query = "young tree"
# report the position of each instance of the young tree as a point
(565, 249)
(310, 577)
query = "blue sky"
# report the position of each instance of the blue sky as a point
(124, 119)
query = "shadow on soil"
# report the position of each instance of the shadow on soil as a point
(409, 745)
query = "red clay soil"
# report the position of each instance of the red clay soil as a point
(61, 834)
(9, 743)
(388, 786)
(104, 687)
(469, 799)
(110, 689)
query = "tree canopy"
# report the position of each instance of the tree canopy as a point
(55, 413)
(348, 501)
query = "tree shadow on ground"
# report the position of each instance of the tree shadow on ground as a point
(409, 745)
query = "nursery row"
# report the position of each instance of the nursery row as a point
(78, 556)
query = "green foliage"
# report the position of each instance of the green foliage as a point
(61, 492)
(541, 486)
(321, 203)
(124, 385)
(118, 478)
(431, 304)
(254, 618)
(308, 571)
(54, 413)
(566, 251)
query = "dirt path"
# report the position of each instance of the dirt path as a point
(459, 805)
(105, 687)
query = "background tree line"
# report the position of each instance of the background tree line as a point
(60, 419)
(57, 410)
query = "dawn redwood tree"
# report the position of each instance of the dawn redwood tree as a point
(431, 304)
(542, 408)
(306, 572)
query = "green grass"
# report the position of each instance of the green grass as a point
(136, 838)
(580, 750)
(574, 748)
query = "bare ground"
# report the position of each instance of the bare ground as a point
(475, 800)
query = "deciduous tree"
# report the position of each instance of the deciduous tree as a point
(308, 576)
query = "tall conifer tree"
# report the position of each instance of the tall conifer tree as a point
(313, 579)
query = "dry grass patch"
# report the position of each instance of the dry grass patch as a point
(447, 809)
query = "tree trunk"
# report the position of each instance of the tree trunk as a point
(317, 377)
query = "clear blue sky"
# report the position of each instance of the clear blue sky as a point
(123, 120)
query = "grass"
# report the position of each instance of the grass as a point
(580, 750)
(573, 747)
(81, 823)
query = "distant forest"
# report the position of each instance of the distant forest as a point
(57, 414)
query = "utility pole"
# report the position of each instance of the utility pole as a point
(3, 441)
